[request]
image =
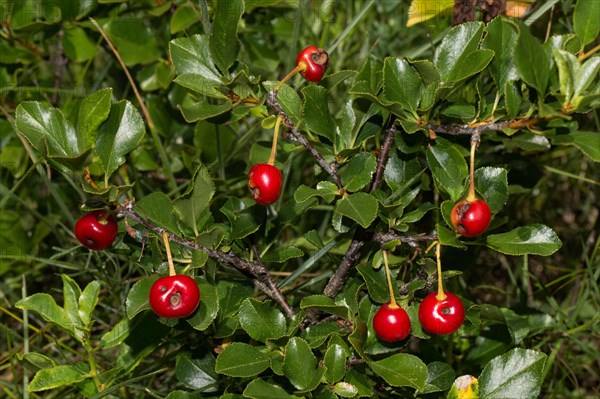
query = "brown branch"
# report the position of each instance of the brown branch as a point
(257, 271)
(361, 236)
(294, 135)
(385, 238)
(349, 260)
(479, 127)
(384, 153)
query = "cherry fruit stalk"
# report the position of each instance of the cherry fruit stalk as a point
(96, 230)
(441, 312)
(471, 216)
(174, 295)
(391, 323)
(264, 179)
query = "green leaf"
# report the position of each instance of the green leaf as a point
(568, 66)
(448, 167)
(259, 389)
(304, 193)
(335, 363)
(492, 184)
(457, 57)
(33, 361)
(587, 142)
(224, 43)
(137, 297)
(359, 171)
(71, 294)
(402, 83)
(585, 20)
(192, 56)
(376, 282)
(195, 200)
(41, 123)
(183, 17)
(55, 377)
(513, 99)
(120, 134)
(360, 207)
(77, 45)
(196, 373)
(241, 360)
(159, 209)
(283, 254)
(290, 102)
(46, 307)
(440, 377)
(261, 321)
(535, 239)
(323, 303)
(300, 364)
(135, 41)
(401, 370)
(532, 60)
(502, 39)
(116, 335)
(515, 374)
(88, 301)
(208, 308)
(93, 111)
(316, 112)
(448, 237)
(200, 111)
(586, 74)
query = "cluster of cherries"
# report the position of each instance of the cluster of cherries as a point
(264, 179)
(170, 296)
(440, 312)
(177, 296)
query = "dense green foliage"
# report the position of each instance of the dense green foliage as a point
(374, 157)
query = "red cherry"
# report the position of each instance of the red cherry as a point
(391, 324)
(441, 317)
(316, 61)
(471, 218)
(96, 230)
(174, 296)
(264, 181)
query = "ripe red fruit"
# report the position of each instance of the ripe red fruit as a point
(174, 296)
(316, 61)
(265, 181)
(391, 324)
(441, 317)
(471, 218)
(96, 230)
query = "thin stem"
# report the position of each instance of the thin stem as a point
(155, 138)
(474, 143)
(584, 56)
(301, 67)
(93, 367)
(274, 144)
(25, 335)
(393, 304)
(165, 237)
(441, 295)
